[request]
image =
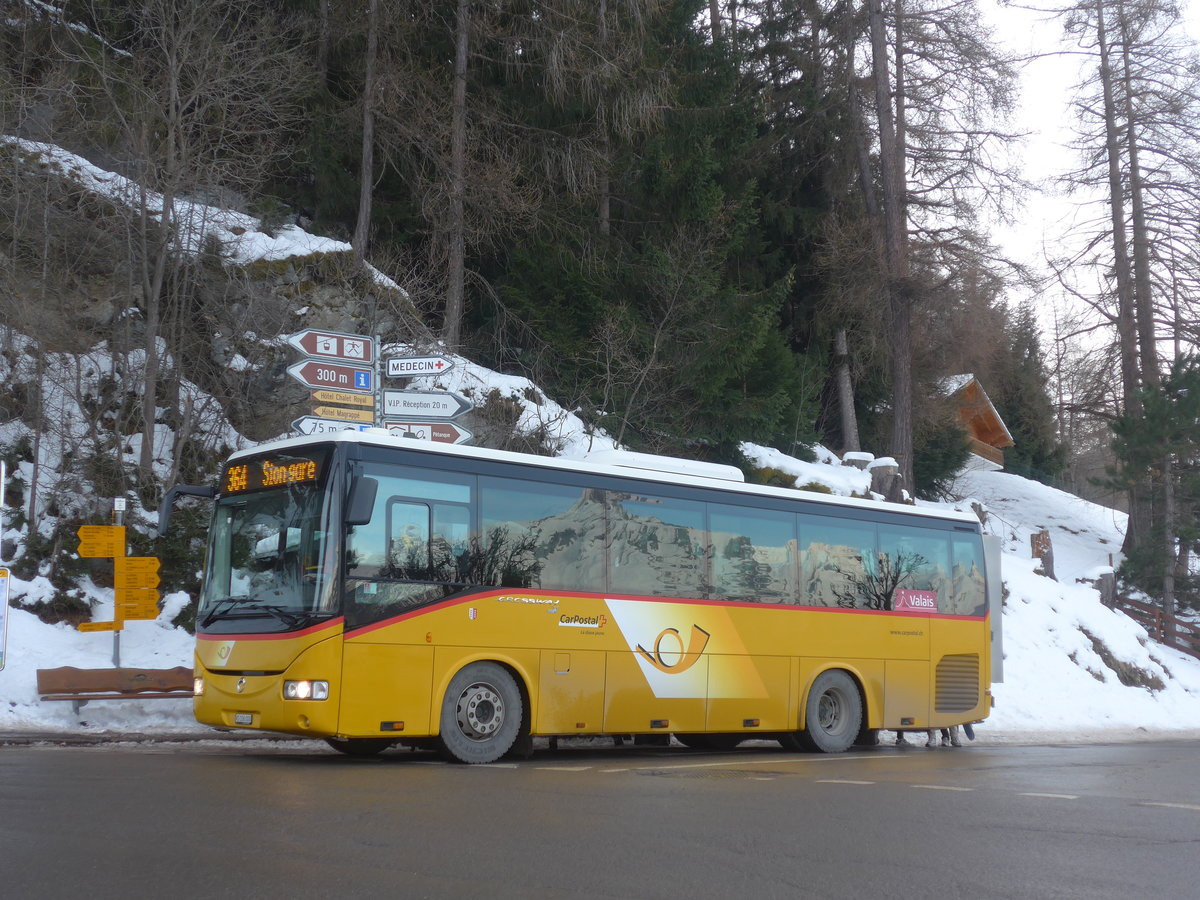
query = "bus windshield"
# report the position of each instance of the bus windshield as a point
(267, 561)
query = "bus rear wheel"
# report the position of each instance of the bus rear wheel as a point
(481, 714)
(833, 714)
(361, 747)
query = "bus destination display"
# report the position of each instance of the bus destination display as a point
(262, 473)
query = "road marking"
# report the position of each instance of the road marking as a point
(1050, 796)
(737, 762)
(1173, 805)
(841, 781)
(563, 768)
(941, 787)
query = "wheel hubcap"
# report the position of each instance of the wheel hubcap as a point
(829, 712)
(480, 712)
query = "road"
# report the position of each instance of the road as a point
(294, 820)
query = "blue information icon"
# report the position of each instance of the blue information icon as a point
(362, 380)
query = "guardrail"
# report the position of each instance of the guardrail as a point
(1170, 630)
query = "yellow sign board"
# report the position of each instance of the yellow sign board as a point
(100, 541)
(100, 626)
(133, 572)
(135, 578)
(137, 603)
(343, 398)
(345, 415)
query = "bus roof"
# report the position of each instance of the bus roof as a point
(622, 464)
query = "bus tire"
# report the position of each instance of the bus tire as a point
(360, 747)
(481, 714)
(833, 714)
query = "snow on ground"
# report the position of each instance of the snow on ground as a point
(1056, 688)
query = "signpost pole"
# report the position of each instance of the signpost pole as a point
(118, 518)
(378, 379)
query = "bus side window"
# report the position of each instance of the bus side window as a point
(657, 546)
(918, 559)
(407, 540)
(754, 554)
(838, 564)
(967, 580)
(539, 534)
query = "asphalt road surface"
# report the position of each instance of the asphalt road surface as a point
(251, 820)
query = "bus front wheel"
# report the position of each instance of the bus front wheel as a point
(481, 714)
(833, 714)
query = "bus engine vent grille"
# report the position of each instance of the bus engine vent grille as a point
(957, 683)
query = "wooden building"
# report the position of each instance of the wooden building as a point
(987, 431)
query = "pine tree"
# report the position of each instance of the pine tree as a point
(1162, 446)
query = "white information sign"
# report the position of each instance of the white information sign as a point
(315, 425)
(425, 404)
(417, 366)
(4, 580)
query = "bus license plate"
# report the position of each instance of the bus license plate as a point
(243, 718)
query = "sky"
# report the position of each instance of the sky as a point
(1045, 118)
(1056, 685)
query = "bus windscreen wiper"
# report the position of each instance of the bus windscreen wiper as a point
(217, 612)
(254, 611)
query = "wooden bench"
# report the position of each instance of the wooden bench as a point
(81, 685)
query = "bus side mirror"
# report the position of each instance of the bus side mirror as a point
(362, 500)
(180, 490)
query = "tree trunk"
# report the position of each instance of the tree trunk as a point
(324, 42)
(1168, 598)
(455, 290)
(1139, 499)
(898, 312)
(845, 389)
(1143, 299)
(362, 227)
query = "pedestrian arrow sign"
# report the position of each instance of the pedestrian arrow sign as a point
(425, 404)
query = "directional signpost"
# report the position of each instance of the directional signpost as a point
(353, 348)
(417, 366)
(341, 414)
(425, 404)
(135, 578)
(316, 373)
(136, 582)
(101, 541)
(342, 398)
(343, 371)
(438, 432)
(313, 425)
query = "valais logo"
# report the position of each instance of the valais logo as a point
(915, 601)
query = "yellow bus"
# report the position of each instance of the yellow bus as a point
(370, 589)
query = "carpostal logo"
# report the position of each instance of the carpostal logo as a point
(583, 621)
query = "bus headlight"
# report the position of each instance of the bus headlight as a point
(198, 686)
(306, 690)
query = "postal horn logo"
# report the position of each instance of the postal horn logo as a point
(682, 659)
